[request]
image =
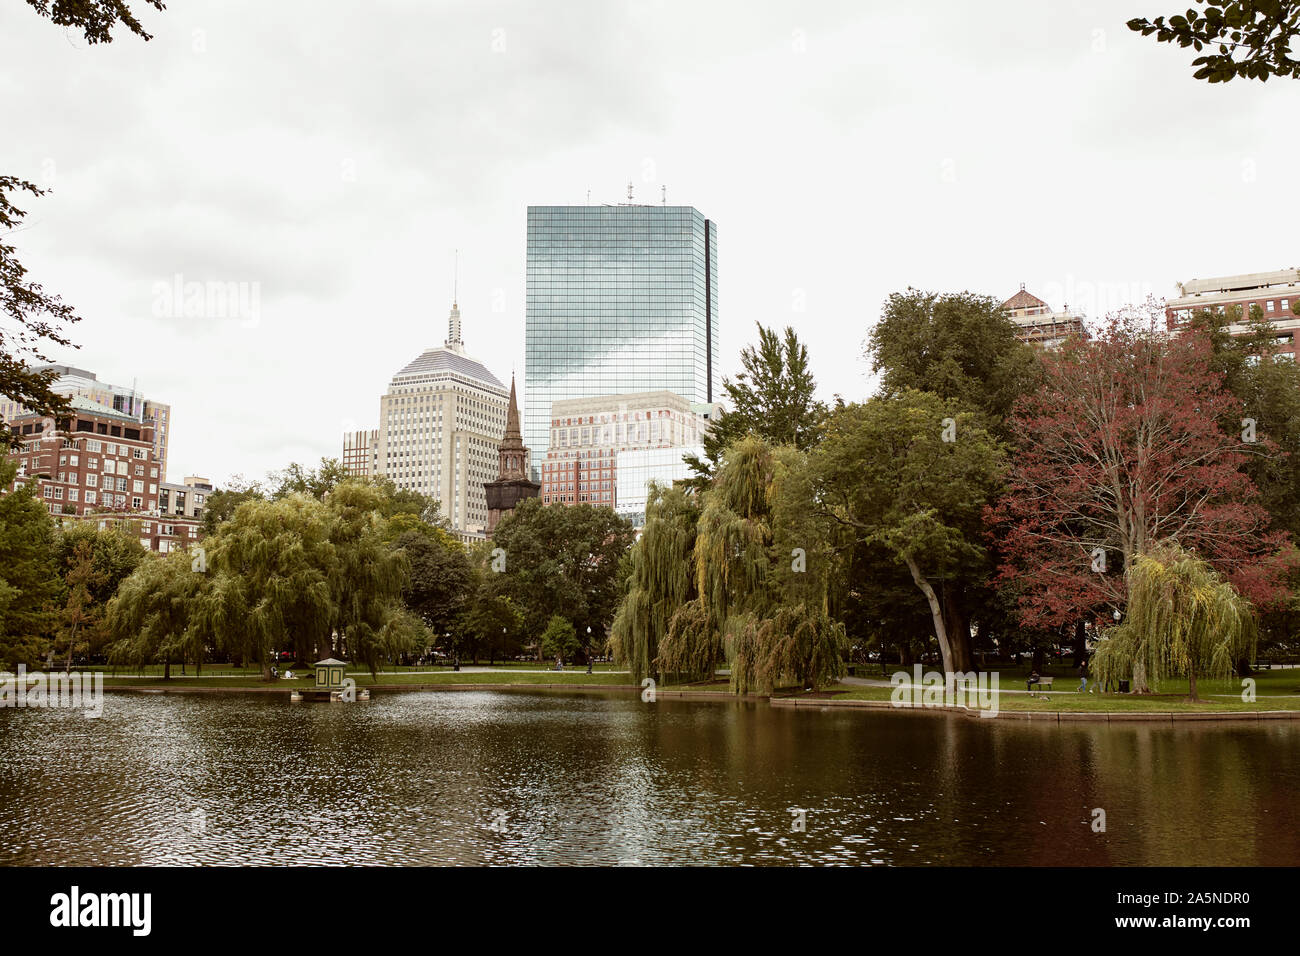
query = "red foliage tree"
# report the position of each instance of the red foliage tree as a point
(1119, 449)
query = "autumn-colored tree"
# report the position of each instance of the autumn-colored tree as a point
(1122, 448)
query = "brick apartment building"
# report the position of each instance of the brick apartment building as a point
(98, 465)
(1276, 294)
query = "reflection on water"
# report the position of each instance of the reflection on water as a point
(479, 777)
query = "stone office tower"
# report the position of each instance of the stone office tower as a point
(512, 485)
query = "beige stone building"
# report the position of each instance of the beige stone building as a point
(440, 424)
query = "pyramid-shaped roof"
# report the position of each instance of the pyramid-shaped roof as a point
(1024, 300)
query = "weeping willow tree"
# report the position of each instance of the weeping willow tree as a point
(693, 645)
(739, 573)
(150, 618)
(270, 569)
(366, 579)
(660, 581)
(1183, 620)
(763, 569)
(800, 644)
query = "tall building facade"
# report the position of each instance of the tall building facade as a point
(619, 299)
(1037, 324)
(360, 449)
(513, 484)
(80, 383)
(588, 435)
(440, 424)
(1277, 295)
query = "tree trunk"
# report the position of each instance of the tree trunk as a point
(1140, 685)
(72, 642)
(1191, 680)
(957, 624)
(936, 613)
(167, 669)
(1080, 643)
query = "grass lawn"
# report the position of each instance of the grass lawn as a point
(577, 676)
(1274, 690)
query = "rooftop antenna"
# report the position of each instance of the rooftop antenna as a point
(629, 190)
(663, 195)
(588, 197)
(455, 280)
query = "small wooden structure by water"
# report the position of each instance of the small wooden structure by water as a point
(331, 684)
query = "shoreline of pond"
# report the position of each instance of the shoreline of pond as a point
(796, 702)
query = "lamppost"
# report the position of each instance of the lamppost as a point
(588, 648)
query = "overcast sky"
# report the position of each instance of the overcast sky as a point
(330, 156)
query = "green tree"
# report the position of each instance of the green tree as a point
(772, 398)
(313, 482)
(366, 577)
(1183, 620)
(562, 560)
(220, 505)
(912, 474)
(115, 553)
(959, 346)
(660, 584)
(1246, 38)
(274, 575)
(440, 580)
(29, 577)
(491, 623)
(95, 18)
(151, 619)
(29, 317)
(559, 639)
(762, 575)
(79, 614)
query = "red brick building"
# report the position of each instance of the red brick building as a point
(1275, 294)
(98, 460)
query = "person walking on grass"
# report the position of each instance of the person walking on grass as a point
(1083, 677)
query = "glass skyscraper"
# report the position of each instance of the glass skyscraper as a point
(620, 299)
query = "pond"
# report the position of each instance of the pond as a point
(474, 777)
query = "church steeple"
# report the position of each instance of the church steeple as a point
(512, 485)
(514, 456)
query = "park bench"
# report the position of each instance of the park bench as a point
(1264, 665)
(1044, 683)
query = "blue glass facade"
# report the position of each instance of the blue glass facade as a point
(620, 299)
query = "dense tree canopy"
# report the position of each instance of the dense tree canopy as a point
(1121, 448)
(959, 346)
(912, 474)
(562, 560)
